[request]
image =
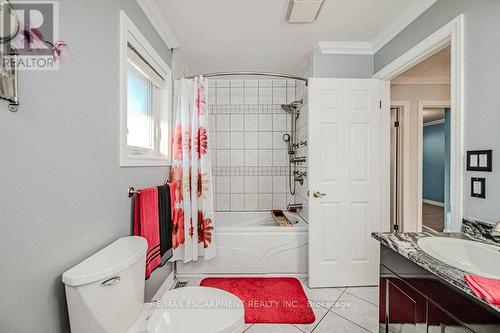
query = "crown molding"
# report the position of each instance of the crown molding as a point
(159, 22)
(400, 22)
(346, 48)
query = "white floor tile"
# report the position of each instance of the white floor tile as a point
(336, 324)
(369, 294)
(319, 313)
(324, 297)
(358, 311)
(272, 328)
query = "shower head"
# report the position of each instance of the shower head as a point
(292, 107)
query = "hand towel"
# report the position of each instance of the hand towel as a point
(165, 219)
(485, 288)
(146, 224)
(172, 186)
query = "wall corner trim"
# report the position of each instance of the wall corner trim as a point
(159, 22)
(365, 48)
(400, 22)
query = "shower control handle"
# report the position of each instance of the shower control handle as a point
(318, 194)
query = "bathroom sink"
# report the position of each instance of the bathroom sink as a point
(469, 256)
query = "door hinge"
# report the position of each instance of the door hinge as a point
(396, 227)
(396, 124)
(380, 105)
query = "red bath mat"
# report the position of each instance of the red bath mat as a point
(268, 300)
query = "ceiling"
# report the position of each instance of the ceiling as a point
(222, 35)
(434, 70)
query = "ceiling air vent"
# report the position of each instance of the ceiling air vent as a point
(303, 11)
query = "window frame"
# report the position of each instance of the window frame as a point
(161, 101)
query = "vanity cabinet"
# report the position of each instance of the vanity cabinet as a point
(413, 300)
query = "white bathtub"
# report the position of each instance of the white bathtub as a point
(251, 243)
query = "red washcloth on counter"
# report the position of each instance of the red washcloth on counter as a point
(485, 288)
(146, 224)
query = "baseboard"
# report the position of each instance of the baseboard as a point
(434, 203)
(166, 286)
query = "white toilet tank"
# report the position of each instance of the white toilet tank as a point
(105, 292)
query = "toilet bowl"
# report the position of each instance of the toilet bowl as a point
(105, 294)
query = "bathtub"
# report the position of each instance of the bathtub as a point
(251, 243)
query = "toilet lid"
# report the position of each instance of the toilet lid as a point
(197, 310)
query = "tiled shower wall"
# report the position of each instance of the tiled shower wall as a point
(301, 195)
(249, 156)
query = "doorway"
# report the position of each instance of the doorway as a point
(435, 167)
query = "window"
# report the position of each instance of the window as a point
(145, 101)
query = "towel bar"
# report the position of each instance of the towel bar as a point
(131, 191)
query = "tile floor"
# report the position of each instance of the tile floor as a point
(347, 310)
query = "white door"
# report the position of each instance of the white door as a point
(344, 182)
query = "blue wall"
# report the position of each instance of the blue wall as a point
(434, 161)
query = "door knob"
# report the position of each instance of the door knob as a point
(318, 194)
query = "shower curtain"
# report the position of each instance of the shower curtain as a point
(193, 212)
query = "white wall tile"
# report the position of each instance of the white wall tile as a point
(251, 83)
(223, 158)
(251, 201)
(223, 184)
(223, 96)
(212, 123)
(251, 157)
(237, 96)
(279, 83)
(237, 122)
(251, 140)
(278, 142)
(223, 140)
(265, 201)
(265, 83)
(223, 123)
(265, 184)
(279, 184)
(237, 140)
(251, 96)
(212, 96)
(265, 158)
(251, 122)
(265, 95)
(237, 184)
(237, 158)
(265, 140)
(280, 158)
(279, 95)
(223, 201)
(265, 122)
(290, 94)
(279, 201)
(252, 184)
(237, 202)
(237, 83)
(223, 83)
(279, 122)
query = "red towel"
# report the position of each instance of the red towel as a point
(146, 224)
(172, 187)
(485, 288)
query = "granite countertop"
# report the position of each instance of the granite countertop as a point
(406, 245)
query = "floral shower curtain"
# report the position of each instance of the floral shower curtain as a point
(193, 213)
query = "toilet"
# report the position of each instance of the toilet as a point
(105, 294)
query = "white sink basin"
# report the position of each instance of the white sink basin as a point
(469, 256)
